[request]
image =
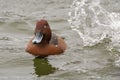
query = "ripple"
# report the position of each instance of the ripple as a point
(6, 38)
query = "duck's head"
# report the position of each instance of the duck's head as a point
(42, 33)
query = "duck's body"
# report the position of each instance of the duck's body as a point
(45, 43)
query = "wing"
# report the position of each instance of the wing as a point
(54, 39)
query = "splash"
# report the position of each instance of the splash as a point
(94, 23)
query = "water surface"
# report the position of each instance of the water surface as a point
(91, 31)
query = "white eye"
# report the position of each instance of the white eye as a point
(45, 27)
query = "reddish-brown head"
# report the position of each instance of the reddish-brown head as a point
(42, 32)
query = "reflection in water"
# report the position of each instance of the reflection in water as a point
(42, 67)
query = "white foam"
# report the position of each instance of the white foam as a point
(94, 23)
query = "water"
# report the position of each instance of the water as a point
(91, 30)
(97, 21)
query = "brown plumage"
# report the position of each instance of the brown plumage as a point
(44, 42)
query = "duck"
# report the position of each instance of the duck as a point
(44, 42)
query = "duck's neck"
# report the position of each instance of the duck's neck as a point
(46, 38)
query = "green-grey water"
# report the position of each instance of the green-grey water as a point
(79, 62)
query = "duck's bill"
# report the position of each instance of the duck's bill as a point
(38, 38)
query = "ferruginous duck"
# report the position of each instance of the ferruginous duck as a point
(44, 42)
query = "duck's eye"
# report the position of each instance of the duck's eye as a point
(44, 26)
